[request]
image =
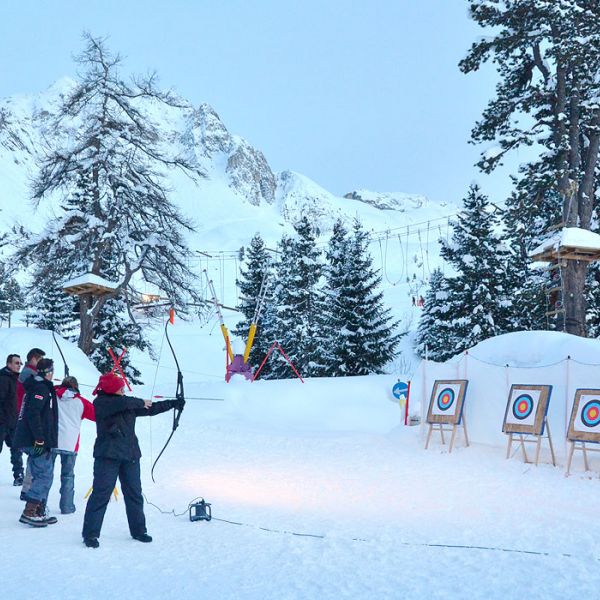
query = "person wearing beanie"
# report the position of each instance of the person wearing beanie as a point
(117, 455)
(29, 369)
(36, 435)
(72, 409)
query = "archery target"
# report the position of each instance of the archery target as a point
(446, 401)
(585, 418)
(522, 407)
(526, 409)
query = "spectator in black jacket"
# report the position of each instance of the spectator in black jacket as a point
(117, 454)
(36, 435)
(8, 413)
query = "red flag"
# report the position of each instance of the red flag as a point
(172, 316)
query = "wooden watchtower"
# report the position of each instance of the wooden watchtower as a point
(569, 243)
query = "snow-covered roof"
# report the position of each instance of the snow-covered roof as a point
(569, 238)
(90, 278)
(89, 283)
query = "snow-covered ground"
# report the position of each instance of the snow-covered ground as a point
(381, 517)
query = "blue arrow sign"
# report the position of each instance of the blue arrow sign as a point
(400, 389)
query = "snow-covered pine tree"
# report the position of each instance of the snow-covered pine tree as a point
(477, 295)
(368, 335)
(593, 300)
(547, 54)
(531, 209)
(116, 216)
(332, 324)
(593, 287)
(435, 338)
(297, 303)
(48, 307)
(256, 265)
(113, 329)
(11, 295)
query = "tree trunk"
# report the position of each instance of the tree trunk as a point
(574, 302)
(86, 320)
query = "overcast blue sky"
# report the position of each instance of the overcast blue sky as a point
(351, 94)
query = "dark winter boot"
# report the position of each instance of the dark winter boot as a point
(91, 542)
(43, 512)
(18, 480)
(31, 517)
(23, 496)
(143, 537)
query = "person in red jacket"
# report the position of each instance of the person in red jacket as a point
(72, 409)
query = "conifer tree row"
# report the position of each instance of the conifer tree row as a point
(326, 309)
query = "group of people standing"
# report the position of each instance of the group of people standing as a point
(43, 421)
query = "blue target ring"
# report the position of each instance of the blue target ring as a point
(445, 399)
(590, 414)
(522, 406)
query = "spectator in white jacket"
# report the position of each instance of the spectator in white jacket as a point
(72, 409)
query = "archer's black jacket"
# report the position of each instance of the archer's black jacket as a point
(8, 398)
(38, 419)
(115, 424)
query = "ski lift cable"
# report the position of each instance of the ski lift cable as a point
(422, 257)
(427, 250)
(401, 255)
(384, 264)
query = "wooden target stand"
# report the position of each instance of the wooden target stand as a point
(526, 438)
(447, 428)
(584, 449)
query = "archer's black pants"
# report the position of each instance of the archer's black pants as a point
(106, 471)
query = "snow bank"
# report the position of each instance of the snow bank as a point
(19, 340)
(350, 404)
(566, 362)
(534, 349)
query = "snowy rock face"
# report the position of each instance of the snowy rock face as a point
(250, 174)
(388, 201)
(198, 134)
(298, 196)
(207, 143)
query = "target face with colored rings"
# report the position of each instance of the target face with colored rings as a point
(445, 399)
(522, 406)
(590, 414)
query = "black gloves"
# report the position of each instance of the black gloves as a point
(178, 404)
(38, 448)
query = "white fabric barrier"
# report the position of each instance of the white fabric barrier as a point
(489, 386)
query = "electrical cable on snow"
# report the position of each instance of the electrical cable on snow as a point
(358, 539)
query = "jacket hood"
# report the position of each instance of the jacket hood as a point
(66, 393)
(31, 382)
